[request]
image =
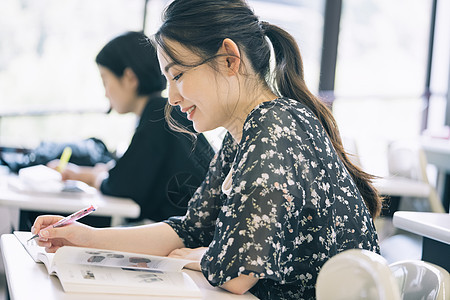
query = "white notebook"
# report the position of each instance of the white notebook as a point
(46, 181)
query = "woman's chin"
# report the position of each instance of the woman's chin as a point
(201, 127)
(198, 128)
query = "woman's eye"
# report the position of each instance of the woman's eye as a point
(177, 77)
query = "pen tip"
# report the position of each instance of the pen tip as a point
(34, 236)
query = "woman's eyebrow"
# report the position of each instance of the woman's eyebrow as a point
(169, 66)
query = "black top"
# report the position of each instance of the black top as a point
(286, 207)
(161, 168)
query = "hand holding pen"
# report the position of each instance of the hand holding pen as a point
(69, 219)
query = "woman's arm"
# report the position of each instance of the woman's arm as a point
(156, 239)
(240, 285)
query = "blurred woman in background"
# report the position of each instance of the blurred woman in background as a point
(161, 168)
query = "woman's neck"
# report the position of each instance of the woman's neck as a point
(141, 102)
(243, 110)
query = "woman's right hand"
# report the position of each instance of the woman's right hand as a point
(75, 234)
(89, 175)
(70, 172)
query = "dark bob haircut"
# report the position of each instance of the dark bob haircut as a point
(133, 50)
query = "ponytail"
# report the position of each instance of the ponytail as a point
(289, 81)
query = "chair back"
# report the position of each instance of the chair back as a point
(356, 274)
(403, 160)
(351, 148)
(406, 159)
(421, 280)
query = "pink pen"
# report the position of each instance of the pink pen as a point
(70, 219)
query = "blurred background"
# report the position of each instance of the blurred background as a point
(383, 65)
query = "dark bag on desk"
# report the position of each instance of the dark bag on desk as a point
(84, 153)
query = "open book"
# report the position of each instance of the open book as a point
(86, 270)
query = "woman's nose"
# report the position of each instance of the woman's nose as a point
(174, 96)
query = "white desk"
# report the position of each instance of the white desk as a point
(30, 280)
(435, 229)
(397, 187)
(117, 208)
(401, 187)
(432, 225)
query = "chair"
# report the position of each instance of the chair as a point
(351, 148)
(421, 280)
(356, 274)
(408, 177)
(362, 274)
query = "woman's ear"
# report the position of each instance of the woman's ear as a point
(233, 56)
(130, 78)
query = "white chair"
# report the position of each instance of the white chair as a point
(362, 274)
(356, 274)
(421, 280)
(351, 148)
(408, 177)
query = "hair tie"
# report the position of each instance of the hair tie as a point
(263, 26)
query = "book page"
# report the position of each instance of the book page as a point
(37, 253)
(97, 279)
(125, 260)
(48, 260)
(108, 258)
(32, 248)
(104, 271)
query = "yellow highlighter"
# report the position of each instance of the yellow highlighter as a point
(65, 156)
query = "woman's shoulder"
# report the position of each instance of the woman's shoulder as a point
(281, 107)
(278, 111)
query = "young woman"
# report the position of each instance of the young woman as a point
(280, 197)
(161, 168)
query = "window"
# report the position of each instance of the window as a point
(304, 20)
(440, 73)
(47, 64)
(383, 47)
(381, 72)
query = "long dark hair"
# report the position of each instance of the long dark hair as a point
(133, 50)
(202, 25)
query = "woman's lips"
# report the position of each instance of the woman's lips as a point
(190, 112)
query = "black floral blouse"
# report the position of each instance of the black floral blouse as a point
(288, 205)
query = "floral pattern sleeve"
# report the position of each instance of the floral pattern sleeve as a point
(291, 206)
